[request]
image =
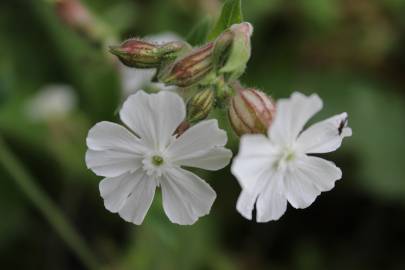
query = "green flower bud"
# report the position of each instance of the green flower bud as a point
(251, 111)
(189, 69)
(200, 105)
(141, 54)
(232, 50)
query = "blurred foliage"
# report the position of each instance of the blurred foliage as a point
(349, 52)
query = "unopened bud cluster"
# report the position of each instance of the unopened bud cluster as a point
(211, 71)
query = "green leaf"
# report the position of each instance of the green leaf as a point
(231, 13)
(198, 35)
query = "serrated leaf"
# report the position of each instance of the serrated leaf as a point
(198, 35)
(231, 13)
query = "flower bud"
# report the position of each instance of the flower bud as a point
(183, 127)
(251, 111)
(200, 105)
(189, 69)
(232, 50)
(141, 54)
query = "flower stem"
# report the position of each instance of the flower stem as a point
(50, 211)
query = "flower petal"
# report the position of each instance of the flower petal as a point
(113, 150)
(130, 194)
(204, 136)
(310, 176)
(300, 191)
(256, 155)
(212, 159)
(139, 199)
(271, 203)
(186, 197)
(110, 136)
(325, 136)
(154, 117)
(115, 190)
(321, 172)
(246, 203)
(111, 163)
(291, 116)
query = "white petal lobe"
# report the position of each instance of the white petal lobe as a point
(213, 159)
(202, 137)
(291, 116)
(154, 117)
(325, 136)
(186, 197)
(272, 203)
(301, 192)
(110, 136)
(112, 163)
(255, 157)
(139, 200)
(246, 203)
(323, 173)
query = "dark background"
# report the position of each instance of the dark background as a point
(349, 52)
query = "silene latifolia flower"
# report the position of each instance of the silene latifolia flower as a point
(280, 167)
(148, 155)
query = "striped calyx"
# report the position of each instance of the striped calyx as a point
(251, 111)
(190, 68)
(141, 54)
(200, 105)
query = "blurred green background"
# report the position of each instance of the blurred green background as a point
(349, 52)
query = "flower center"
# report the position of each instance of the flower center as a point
(157, 160)
(155, 164)
(286, 156)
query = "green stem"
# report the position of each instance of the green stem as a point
(50, 211)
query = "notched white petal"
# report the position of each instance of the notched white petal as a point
(325, 136)
(256, 155)
(301, 192)
(291, 116)
(115, 190)
(271, 203)
(154, 117)
(246, 203)
(202, 137)
(321, 172)
(139, 200)
(110, 136)
(212, 159)
(186, 197)
(111, 163)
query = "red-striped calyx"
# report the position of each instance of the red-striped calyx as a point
(251, 111)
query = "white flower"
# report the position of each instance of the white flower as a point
(51, 102)
(134, 164)
(133, 79)
(278, 168)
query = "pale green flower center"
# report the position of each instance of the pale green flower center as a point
(286, 156)
(157, 160)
